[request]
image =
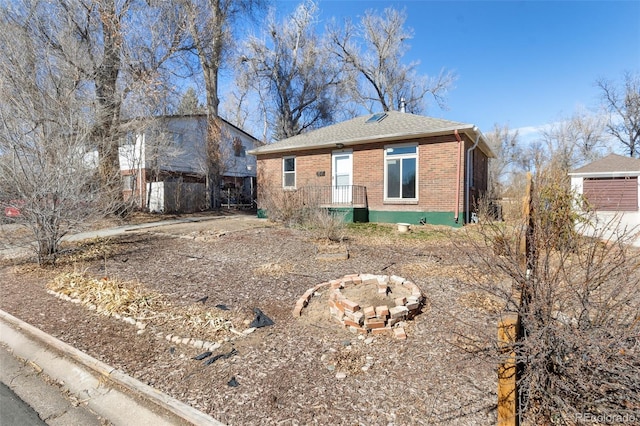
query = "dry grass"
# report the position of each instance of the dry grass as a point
(94, 249)
(273, 270)
(483, 301)
(467, 274)
(131, 299)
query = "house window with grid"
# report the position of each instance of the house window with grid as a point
(289, 172)
(400, 173)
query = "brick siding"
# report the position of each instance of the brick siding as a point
(437, 167)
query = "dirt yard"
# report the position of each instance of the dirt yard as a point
(300, 370)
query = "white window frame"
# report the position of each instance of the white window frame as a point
(400, 157)
(284, 172)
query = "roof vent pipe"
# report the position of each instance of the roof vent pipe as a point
(402, 105)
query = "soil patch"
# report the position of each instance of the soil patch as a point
(301, 370)
(367, 294)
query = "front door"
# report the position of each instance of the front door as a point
(341, 177)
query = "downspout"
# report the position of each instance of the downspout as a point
(467, 184)
(457, 209)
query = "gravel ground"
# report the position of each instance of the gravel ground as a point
(305, 370)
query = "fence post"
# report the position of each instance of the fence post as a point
(510, 330)
(507, 390)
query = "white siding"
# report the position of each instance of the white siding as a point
(610, 224)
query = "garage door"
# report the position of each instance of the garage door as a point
(612, 194)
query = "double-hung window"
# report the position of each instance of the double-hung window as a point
(289, 172)
(400, 173)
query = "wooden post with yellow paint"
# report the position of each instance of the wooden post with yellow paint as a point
(509, 328)
(507, 387)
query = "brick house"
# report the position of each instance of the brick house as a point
(611, 186)
(386, 167)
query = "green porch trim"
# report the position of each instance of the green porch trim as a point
(430, 218)
(352, 214)
(361, 214)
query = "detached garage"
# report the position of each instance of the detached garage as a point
(611, 188)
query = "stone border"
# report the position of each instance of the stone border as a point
(371, 319)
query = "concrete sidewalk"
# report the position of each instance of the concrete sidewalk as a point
(89, 392)
(27, 248)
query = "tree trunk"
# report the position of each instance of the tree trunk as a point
(106, 132)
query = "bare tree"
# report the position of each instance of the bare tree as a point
(373, 51)
(117, 63)
(574, 141)
(623, 105)
(505, 144)
(46, 172)
(211, 25)
(294, 74)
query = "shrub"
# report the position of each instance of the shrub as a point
(578, 300)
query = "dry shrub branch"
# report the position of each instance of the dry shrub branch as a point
(579, 352)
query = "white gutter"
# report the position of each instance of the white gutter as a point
(468, 179)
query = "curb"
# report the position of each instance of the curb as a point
(161, 401)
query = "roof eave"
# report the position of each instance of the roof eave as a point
(385, 138)
(605, 174)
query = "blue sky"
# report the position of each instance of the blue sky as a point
(521, 63)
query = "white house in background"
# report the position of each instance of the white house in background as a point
(163, 165)
(611, 186)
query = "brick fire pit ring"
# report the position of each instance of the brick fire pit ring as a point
(367, 303)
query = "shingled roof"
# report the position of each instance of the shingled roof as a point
(612, 164)
(381, 127)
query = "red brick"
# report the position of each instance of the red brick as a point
(399, 333)
(339, 306)
(382, 288)
(357, 280)
(352, 306)
(398, 312)
(374, 323)
(319, 286)
(382, 311)
(350, 323)
(297, 311)
(358, 330)
(377, 331)
(401, 301)
(369, 312)
(358, 317)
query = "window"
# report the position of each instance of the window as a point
(289, 172)
(401, 165)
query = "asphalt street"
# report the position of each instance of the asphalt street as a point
(14, 411)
